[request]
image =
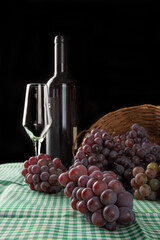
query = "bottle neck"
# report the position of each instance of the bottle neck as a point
(60, 65)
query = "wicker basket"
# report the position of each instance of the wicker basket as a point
(118, 122)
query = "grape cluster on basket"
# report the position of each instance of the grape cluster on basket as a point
(119, 153)
(99, 196)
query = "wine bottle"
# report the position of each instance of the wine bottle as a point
(62, 103)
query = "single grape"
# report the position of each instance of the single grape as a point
(105, 151)
(152, 196)
(98, 134)
(74, 203)
(92, 160)
(126, 216)
(136, 160)
(113, 155)
(97, 174)
(137, 195)
(31, 185)
(87, 149)
(137, 170)
(45, 186)
(69, 187)
(84, 162)
(35, 169)
(79, 193)
(111, 213)
(89, 139)
(119, 169)
(64, 179)
(82, 206)
(124, 199)
(98, 140)
(101, 158)
(26, 164)
(53, 179)
(108, 178)
(41, 162)
(108, 197)
(74, 173)
(87, 194)
(145, 190)
(98, 219)
(105, 136)
(30, 169)
(83, 170)
(24, 172)
(94, 204)
(112, 226)
(155, 149)
(37, 187)
(44, 168)
(154, 183)
(90, 182)
(92, 169)
(57, 162)
(151, 173)
(44, 176)
(129, 142)
(55, 189)
(80, 155)
(96, 148)
(153, 165)
(82, 181)
(133, 183)
(141, 178)
(33, 160)
(108, 144)
(116, 186)
(29, 178)
(149, 158)
(98, 187)
(51, 170)
(36, 178)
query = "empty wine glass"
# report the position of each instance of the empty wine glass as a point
(36, 115)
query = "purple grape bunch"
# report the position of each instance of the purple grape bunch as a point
(99, 196)
(41, 173)
(118, 153)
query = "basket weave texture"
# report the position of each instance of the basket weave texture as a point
(120, 121)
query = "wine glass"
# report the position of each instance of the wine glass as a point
(36, 115)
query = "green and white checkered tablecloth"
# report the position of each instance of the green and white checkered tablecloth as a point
(27, 214)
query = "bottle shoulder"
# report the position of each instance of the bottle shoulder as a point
(57, 80)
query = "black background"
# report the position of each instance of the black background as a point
(114, 51)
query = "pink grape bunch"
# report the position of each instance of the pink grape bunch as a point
(41, 173)
(118, 153)
(146, 182)
(99, 196)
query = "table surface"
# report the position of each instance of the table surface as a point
(27, 214)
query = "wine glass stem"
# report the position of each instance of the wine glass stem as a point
(37, 147)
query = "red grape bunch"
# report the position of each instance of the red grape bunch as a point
(99, 196)
(146, 183)
(41, 173)
(119, 153)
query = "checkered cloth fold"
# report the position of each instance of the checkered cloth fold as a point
(27, 214)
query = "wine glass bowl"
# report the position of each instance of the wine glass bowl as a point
(36, 116)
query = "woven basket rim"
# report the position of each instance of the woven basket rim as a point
(142, 106)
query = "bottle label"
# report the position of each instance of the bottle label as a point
(74, 137)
